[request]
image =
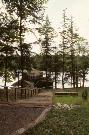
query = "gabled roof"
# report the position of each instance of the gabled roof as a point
(26, 83)
(35, 72)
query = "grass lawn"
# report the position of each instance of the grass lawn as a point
(77, 100)
(64, 121)
(72, 99)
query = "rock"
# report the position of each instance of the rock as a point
(65, 106)
(59, 104)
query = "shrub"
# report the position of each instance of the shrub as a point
(85, 94)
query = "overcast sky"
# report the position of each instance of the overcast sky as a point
(79, 9)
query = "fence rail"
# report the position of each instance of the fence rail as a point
(14, 94)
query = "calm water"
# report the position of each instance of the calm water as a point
(68, 85)
(59, 84)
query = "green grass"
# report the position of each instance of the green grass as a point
(70, 100)
(65, 99)
(63, 122)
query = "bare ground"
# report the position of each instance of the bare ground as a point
(20, 114)
(15, 117)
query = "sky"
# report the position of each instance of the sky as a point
(79, 9)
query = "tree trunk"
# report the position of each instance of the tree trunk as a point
(83, 79)
(55, 79)
(76, 77)
(73, 79)
(76, 81)
(72, 55)
(20, 33)
(5, 69)
(62, 81)
(46, 79)
(63, 67)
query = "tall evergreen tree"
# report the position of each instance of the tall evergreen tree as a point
(47, 35)
(8, 36)
(56, 65)
(64, 45)
(24, 10)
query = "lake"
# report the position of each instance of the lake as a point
(59, 84)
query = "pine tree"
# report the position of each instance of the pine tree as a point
(64, 45)
(47, 35)
(25, 11)
(8, 36)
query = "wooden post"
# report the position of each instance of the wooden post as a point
(39, 90)
(15, 94)
(28, 92)
(31, 92)
(35, 91)
(21, 93)
(25, 93)
(7, 94)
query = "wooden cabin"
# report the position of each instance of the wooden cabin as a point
(35, 77)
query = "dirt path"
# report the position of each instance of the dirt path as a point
(23, 112)
(42, 99)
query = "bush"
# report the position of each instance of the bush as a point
(85, 94)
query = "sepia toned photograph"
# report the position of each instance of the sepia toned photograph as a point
(44, 67)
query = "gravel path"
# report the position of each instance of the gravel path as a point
(42, 99)
(19, 114)
(15, 117)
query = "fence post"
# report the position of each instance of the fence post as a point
(31, 92)
(7, 94)
(28, 92)
(15, 94)
(39, 90)
(21, 93)
(25, 93)
(35, 91)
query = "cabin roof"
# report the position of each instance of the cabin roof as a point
(27, 83)
(35, 72)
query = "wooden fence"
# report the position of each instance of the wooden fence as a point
(14, 94)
